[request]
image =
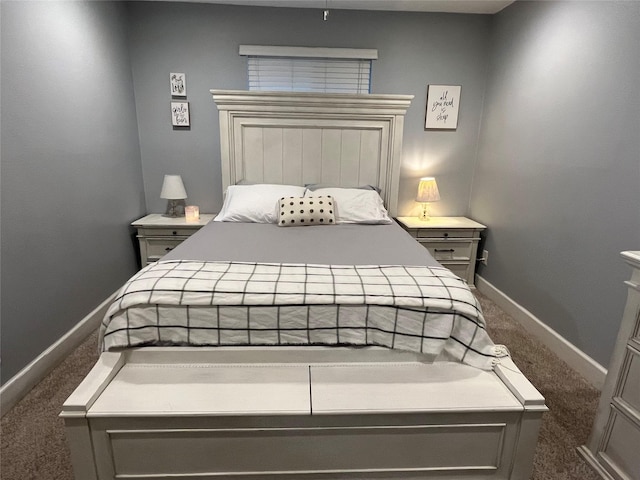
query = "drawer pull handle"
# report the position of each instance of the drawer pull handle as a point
(168, 249)
(439, 250)
(446, 234)
(175, 232)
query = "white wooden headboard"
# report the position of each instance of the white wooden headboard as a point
(301, 138)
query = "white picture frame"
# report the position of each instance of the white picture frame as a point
(180, 114)
(443, 102)
(178, 84)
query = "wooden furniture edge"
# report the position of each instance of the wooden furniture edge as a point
(325, 102)
(74, 413)
(591, 460)
(107, 366)
(633, 260)
(528, 395)
(534, 407)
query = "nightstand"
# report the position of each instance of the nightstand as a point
(453, 241)
(158, 235)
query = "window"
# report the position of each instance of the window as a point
(308, 69)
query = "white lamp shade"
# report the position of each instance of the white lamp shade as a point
(428, 190)
(173, 188)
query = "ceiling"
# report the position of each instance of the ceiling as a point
(450, 6)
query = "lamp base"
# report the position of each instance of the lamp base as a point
(424, 216)
(172, 210)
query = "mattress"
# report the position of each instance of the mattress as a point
(343, 244)
(260, 284)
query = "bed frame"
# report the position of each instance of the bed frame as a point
(302, 412)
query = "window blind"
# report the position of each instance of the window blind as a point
(309, 69)
(331, 75)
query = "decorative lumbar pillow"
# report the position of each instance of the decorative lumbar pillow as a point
(306, 211)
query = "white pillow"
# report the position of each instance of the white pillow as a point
(355, 205)
(255, 203)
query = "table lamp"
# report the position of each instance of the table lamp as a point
(427, 192)
(173, 190)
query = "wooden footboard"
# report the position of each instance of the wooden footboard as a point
(299, 413)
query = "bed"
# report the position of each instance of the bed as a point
(322, 352)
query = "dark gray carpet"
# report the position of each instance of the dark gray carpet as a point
(34, 445)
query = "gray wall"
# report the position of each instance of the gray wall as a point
(202, 41)
(558, 173)
(71, 176)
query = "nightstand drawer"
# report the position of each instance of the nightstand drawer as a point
(452, 241)
(449, 249)
(460, 269)
(630, 391)
(167, 232)
(158, 235)
(443, 233)
(159, 247)
(620, 443)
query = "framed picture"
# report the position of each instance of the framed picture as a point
(180, 114)
(178, 84)
(443, 102)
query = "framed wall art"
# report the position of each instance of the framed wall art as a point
(180, 114)
(443, 102)
(178, 84)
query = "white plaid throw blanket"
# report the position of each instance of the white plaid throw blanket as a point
(420, 309)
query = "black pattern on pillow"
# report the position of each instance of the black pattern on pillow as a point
(306, 211)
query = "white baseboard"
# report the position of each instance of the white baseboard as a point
(22, 382)
(586, 366)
